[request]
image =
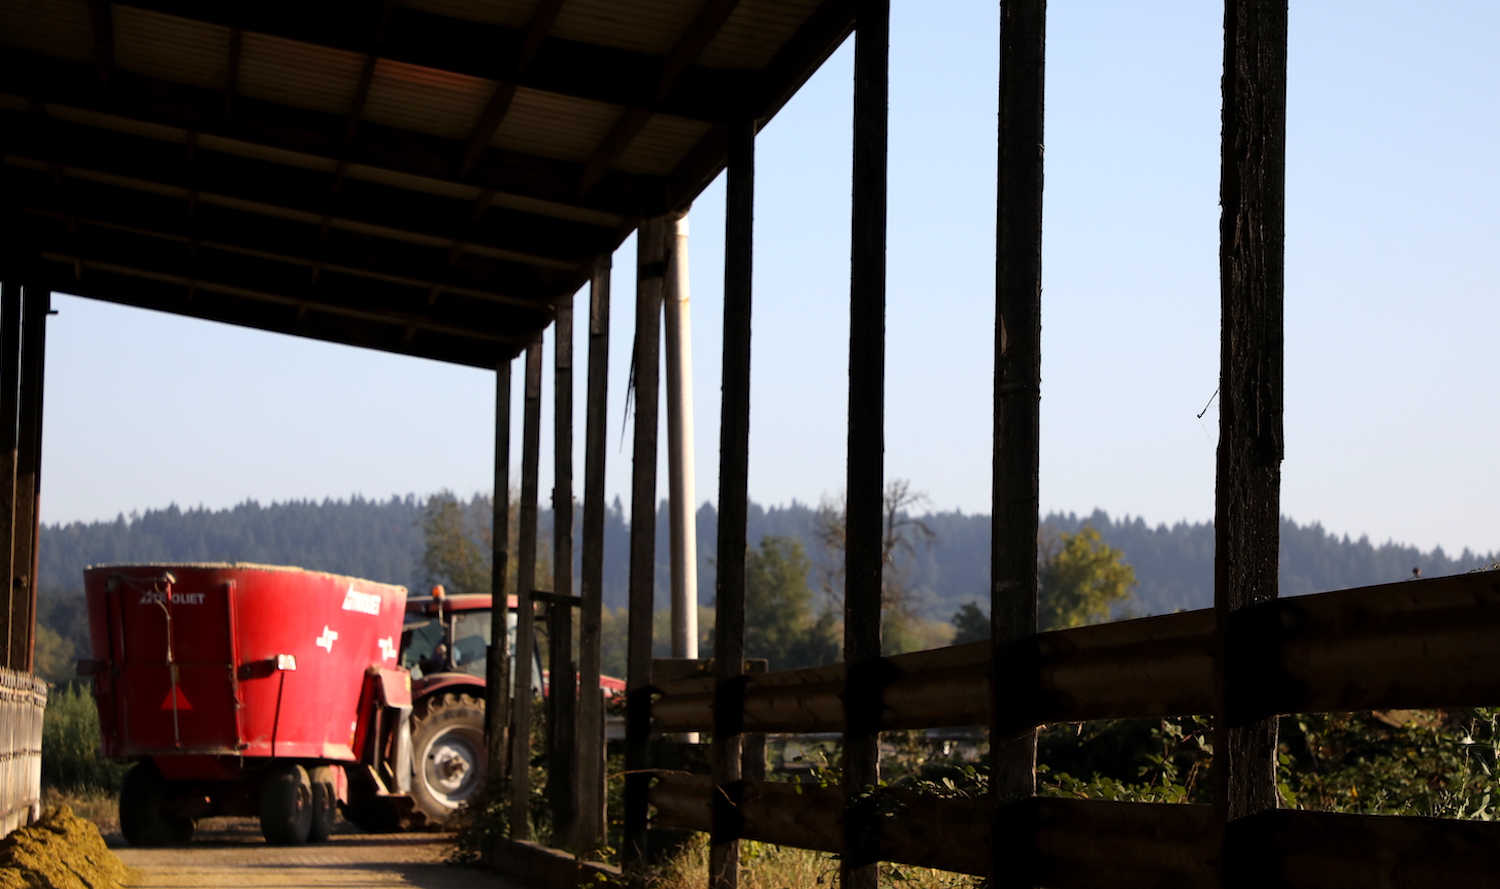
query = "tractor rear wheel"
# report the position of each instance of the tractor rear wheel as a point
(143, 820)
(448, 754)
(286, 805)
(324, 803)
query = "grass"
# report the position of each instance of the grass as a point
(764, 866)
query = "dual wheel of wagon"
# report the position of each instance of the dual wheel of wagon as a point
(297, 804)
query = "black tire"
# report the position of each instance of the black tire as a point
(324, 803)
(286, 805)
(143, 820)
(448, 754)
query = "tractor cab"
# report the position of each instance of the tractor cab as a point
(447, 637)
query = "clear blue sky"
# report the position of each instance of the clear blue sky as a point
(1392, 308)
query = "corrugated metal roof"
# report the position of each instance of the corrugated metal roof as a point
(52, 28)
(555, 126)
(661, 144)
(510, 13)
(170, 48)
(425, 100)
(646, 26)
(296, 74)
(755, 31)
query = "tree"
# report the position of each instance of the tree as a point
(779, 623)
(970, 625)
(1079, 579)
(899, 538)
(457, 544)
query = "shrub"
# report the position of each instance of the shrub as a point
(70, 744)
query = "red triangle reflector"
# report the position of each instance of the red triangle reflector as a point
(181, 700)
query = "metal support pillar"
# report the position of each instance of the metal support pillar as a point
(734, 468)
(497, 663)
(562, 700)
(650, 269)
(681, 493)
(531, 427)
(1247, 518)
(1016, 501)
(591, 778)
(866, 460)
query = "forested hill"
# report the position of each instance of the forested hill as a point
(382, 540)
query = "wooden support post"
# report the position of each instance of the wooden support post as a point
(562, 700)
(520, 757)
(497, 664)
(15, 628)
(650, 269)
(734, 473)
(1015, 494)
(37, 305)
(866, 460)
(1247, 510)
(591, 778)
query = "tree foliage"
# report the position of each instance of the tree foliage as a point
(779, 621)
(1079, 578)
(970, 625)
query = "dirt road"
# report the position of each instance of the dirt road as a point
(229, 852)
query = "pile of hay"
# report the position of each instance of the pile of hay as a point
(61, 851)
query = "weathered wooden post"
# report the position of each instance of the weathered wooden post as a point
(1247, 513)
(591, 790)
(17, 626)
(562, 700)
(38, 305)
(531, 425)
(497, 663)
(866, 454)
(734, 470)
(1015, 494)
(650, 269)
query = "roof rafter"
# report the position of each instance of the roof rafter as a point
(476, 49)
(101, 23)
(313, 135)
(711, 17)
(542, 19)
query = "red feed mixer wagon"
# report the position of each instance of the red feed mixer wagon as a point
(248, 690)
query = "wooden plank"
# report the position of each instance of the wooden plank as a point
(10, 383)
(1015, 492)
(865, 487)
(734, 475)
(591, 778)
(520, 756)
(1247, 515)
(542, 18)
(650, 269)
(562, 701)
(37, 302)
(497, 662)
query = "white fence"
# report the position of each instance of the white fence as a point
(22, 700)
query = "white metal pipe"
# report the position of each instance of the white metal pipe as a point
(681, 495)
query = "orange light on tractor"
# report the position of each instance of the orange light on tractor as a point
(439, 593)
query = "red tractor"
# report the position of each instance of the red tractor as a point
(282, 693)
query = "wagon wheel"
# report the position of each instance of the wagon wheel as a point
(324, 803)
(286, 805)
(143, 821)
(448, 754)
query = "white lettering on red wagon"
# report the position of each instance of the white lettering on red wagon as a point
(364, 603)
(153, 597)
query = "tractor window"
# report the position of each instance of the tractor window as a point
(420, 647)
(471, 640)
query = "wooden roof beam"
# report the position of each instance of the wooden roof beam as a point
(315, 135)
(273, 189)
(101, 23)
(351, 253)
(184, 298)
(542, 19)
(476, 49)
(689, 47)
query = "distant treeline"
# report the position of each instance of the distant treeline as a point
(382, 540)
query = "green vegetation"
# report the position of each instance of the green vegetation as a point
(70, 744)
